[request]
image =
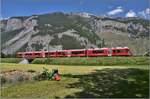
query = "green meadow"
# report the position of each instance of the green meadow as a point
(121, 80)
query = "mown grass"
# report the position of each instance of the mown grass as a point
(103, 61)
(81, 82)
(39, 68)
(40, 89)
(63, 69)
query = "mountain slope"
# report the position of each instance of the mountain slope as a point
(58, 30)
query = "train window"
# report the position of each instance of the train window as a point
(28, 54)
(52, 53)
(61, 53)
(46, 54)
(116, 51)
(123, 50)
(98, 51)
(49, 53)
(126, 50)
(19, 54)
(78, 52)
(37, 53)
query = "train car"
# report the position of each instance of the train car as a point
(25, 54)
(98, 52)
(121, 51)
(77, 53)
(20, 54)
(50, 54)
(61, 53)
(31, 55)
(38, 54)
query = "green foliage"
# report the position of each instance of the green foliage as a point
(61, 22)
(45, 75)
(3, 55)
(9, 55)
(10, 60)
(94, 61)
(67, 45)
(3, 80)
(37, 46)
(146, 53)
(20, 78)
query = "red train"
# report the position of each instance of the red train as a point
(118, 51)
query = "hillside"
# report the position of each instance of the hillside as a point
(55, 31)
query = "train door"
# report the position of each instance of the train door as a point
(68, 53)
(117, 52)
(129, 53)
(43, 54)
(109, 51)
(86, 53)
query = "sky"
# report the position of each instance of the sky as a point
(113, 8)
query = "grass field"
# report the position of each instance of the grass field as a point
(85, 61)
(81, 81)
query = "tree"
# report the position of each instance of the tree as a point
(103, 43)
(146, 53)
(3, 55)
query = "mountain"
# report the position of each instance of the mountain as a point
(56, 31)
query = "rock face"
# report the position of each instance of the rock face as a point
(23, 36)
(13, 24)
(58, 31)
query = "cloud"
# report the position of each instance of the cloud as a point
(145, 13)
(116, 11)
(130, 14)
(142, 14)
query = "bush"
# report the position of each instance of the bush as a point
(94, 61)
(146, 53)
(20, 78)
(3, 80)
(45, 75)
(10, 60)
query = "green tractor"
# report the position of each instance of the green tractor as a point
(46, 75)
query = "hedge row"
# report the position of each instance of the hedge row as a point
(10, 60)
(93, 61)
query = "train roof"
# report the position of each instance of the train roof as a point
(105, 48)
(120, 48)
(31, 52)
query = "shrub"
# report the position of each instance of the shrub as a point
(3, 80)
(20, 78)
(93, 61)
(45, 75)
(10, 60)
